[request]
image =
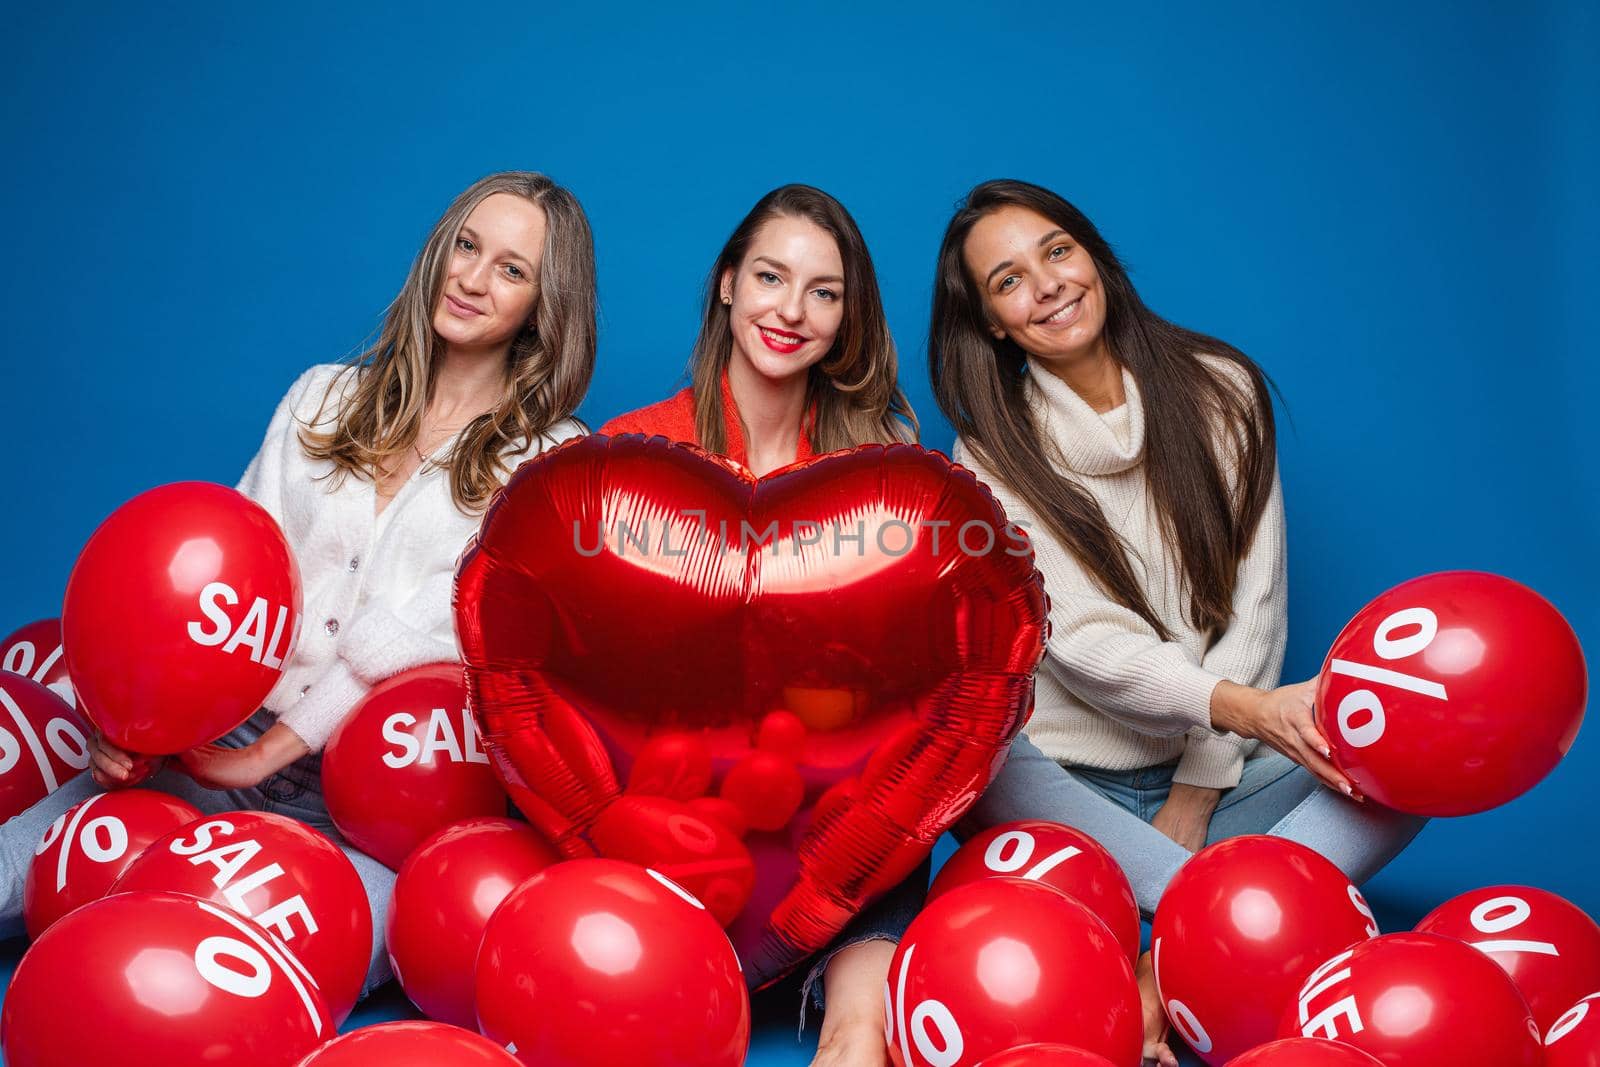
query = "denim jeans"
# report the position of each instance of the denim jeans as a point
(1274, 796)
(295, 792)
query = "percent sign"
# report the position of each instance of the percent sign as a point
(63, 736)
(1370, 730)
(1012, 850)
(941, 1048)
(19, 659)
(103, 840)
(222, 962)
(1514, 911)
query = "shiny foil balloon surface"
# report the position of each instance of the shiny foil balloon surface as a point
(823, 667)
(1452, 693)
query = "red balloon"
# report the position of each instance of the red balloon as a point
(877, 598)
(42, 744)
(1414, 1000)
(1574, 1040)
(1304, 1052)
(1452, 693)
(1236, 932)
(1046, 1056)
(281, 873)
(90, 845)
(406, 763)
(1059, 856)
(158, 980)
(1548, 946)
(596, 962)
(411, 1043)
(35, 652)
(442, 900)
(180, 613)
(1002, 962)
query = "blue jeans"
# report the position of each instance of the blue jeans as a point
(295, 791)
(1274, 796)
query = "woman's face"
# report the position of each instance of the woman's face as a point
(786, 300)
(1040, 288)
(491, 286)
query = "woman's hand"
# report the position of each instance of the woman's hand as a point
(1157, 1053)
(1186, 816)
(1282, 718)
(852, 1021)
(216, 767)
(112, 768)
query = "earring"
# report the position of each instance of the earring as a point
(726, 299)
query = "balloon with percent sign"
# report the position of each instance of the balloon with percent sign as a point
(407, 762)
(443, 897)
(593, 962)
(34, 651)
(1452, 693)
(1548, 946)
(1238, 929)
(1056, 855)
(1046, 1056)
(89, 845)
(1003, 962)
(410, 1043)
(1304, 1052)
(159, 980)
(1416, 1000)
(42, 744)
(1574, 1040)
(179, 615)
(283, 875)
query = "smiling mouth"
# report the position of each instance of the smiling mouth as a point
(1064, 314)
(781, 340)
(461, 309)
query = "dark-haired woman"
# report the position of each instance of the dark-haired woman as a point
(378, 471)
(1141, 457)
(795, 359)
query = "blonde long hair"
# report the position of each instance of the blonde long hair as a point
(547, 369)
(854, 387)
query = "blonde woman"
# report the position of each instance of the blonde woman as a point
(378, 471)
(795, 359)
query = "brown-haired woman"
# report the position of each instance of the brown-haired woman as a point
(1141, 457)
(794, 358)
(378, 471)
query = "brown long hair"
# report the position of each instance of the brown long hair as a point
(854, 387)
(547, 369)
(980, 385)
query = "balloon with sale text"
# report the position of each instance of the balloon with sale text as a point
(1236, 932)
(407, 762)
(158, 980)
(283, 875)
(89, 846)
(42, 744)
(34, 651)
(1452, 693)
(1417, 999)
(1548, 946)
(180, 613)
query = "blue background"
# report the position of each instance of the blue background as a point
(1392, 211)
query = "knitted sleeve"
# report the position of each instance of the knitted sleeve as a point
(1103, 652)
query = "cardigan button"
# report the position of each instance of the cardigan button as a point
(355, 562)
(304, 689)
(332, 626)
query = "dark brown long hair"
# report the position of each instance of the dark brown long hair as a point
(855, 386)
(547, 369)
(980, 385)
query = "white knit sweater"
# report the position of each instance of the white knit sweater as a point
(1110, 693)
(376, 588)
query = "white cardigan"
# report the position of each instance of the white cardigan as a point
(376, 588)
(1110, 693)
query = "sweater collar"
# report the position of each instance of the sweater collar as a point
(1084, 442)
(737, 449)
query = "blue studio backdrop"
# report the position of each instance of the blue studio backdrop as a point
(1391, 210)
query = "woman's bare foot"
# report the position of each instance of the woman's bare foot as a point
(1155, 1018)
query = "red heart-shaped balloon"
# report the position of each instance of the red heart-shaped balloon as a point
(799, 680)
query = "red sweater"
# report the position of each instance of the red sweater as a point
(673, 418)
